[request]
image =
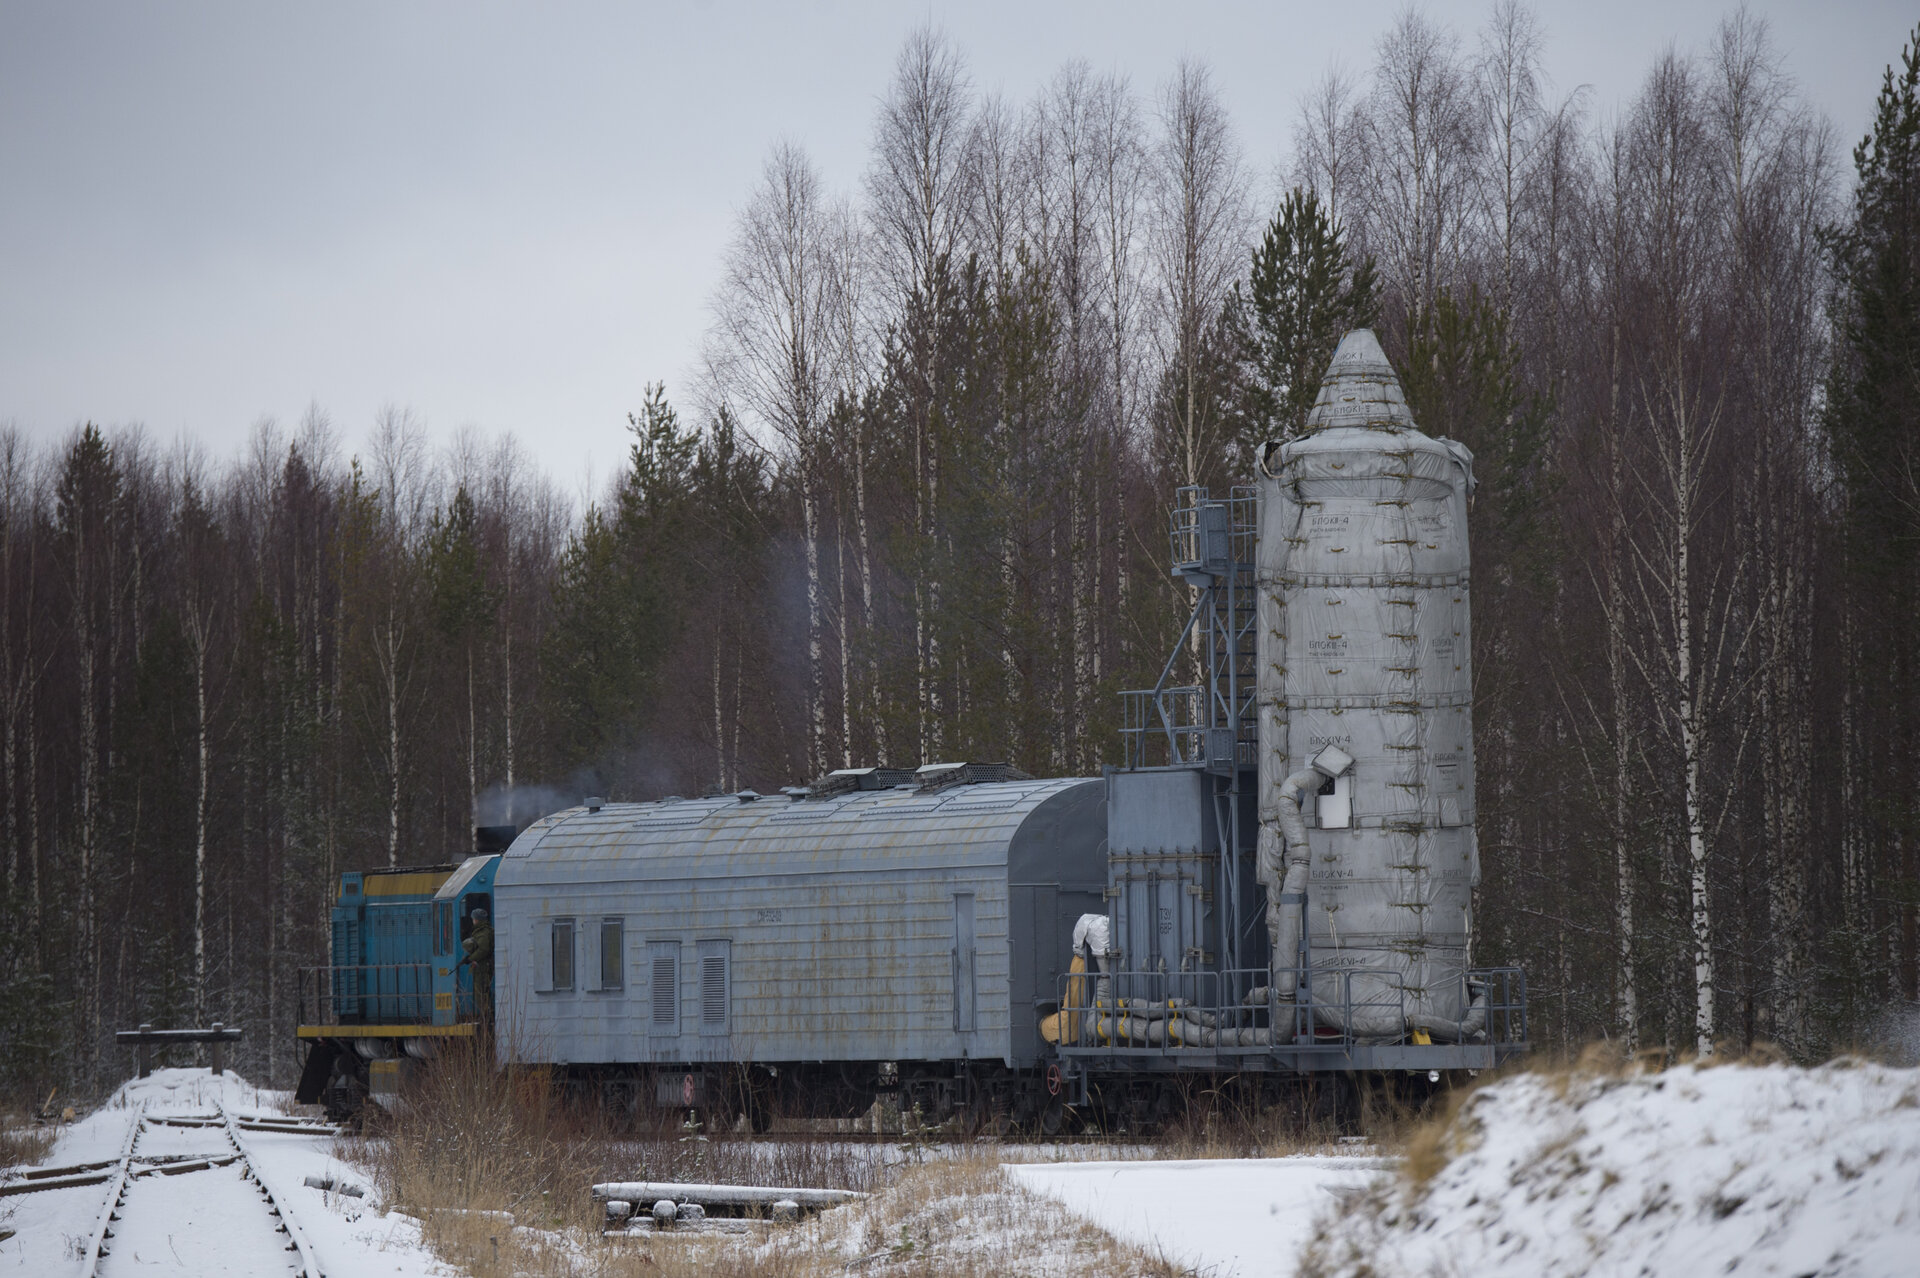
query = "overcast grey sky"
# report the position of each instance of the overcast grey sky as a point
(511, 217)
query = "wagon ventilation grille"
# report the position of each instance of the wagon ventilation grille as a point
(666, 979)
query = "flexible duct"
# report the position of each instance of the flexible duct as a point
(1284, 873)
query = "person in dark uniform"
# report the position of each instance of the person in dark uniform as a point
(478, 953)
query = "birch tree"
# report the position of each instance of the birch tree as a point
(781, 331)
(1421, 147)
(1688, 577)
(1199, 236)
(1508, 69)
(918, 199)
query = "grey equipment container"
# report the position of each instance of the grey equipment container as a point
(1363, 646)
(879, 925)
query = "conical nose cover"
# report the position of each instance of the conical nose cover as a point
(1360, 389)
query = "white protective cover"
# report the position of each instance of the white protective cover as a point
(1364, 645)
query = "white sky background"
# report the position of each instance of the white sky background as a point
(511, 218)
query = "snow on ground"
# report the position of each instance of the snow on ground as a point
(1695, 1171)
(1227, 1217)
(204, 1222)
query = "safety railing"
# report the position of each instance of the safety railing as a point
(1213, 534)
(1239, 1011)
(1503, 991)
(376, 994)
(1172, 718)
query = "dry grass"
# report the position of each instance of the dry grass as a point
(1237, 1119)
(474, 1140)
(497, 1168)
(22, 1141)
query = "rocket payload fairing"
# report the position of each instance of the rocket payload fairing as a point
(1365, 668)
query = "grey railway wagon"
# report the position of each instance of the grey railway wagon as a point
(881, 925)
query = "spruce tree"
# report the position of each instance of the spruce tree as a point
(621, 593)
(1872, 422)
(1873, 402)
(1302, 294)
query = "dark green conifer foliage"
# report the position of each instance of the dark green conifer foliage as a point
(1873, 405)
(462, 600)
(619, 600)
(1872, 422)
(1462, 380)
(1302, 294)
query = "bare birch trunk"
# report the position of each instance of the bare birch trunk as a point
(1072, 725)
(840, 626)
(506, 692)
(203, 754)
(1852, 764)
(14, 683)
(936, 705)
(35, 915)
(816, 698)
(866, 594)
(473, 743)
(1629, 1004)
(1699, 885)
(390, 654)
(89, 785)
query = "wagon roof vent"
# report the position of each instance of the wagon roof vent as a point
(940, 776)
(848, 780)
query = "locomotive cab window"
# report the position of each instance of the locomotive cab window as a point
(613, 954)
(561, 962)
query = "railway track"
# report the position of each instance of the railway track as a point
(187, 1196)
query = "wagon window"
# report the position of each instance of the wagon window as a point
(613, 954)
(562, 954)
(715, 986)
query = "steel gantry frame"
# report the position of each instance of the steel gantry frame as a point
(1211, 724)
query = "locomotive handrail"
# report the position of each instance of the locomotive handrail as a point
(371, 993)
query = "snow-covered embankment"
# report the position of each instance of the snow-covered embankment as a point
(1749, 1169)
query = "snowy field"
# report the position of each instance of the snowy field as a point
(203, 1222)
(1225, 1218)
(1766, 1170)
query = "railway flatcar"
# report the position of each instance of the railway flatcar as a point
(1275, 886)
